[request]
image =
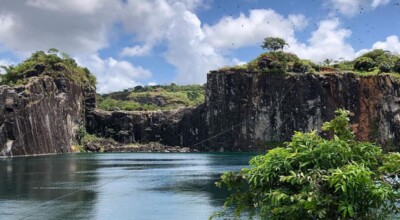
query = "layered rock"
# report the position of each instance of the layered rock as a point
(246, 110)
(243, 111)
(42, 116)
(182, 127)
(265, 107)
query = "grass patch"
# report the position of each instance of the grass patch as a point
(150, 98)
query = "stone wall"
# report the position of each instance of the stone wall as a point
(242, 111)
(183, 127)
(264, 107)
(42, 116)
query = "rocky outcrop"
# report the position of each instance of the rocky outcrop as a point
(182, 127)
(266, 107)
(245, 111)
(42, 116)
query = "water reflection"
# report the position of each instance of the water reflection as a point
(115, 186)
(36, 187)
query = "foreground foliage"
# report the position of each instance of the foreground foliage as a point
(317, 178)
(52, 64)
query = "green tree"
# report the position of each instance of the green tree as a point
(396, 67)
(52, 51)
(317, 178)
(327, 62)
(274, 43)
(364, 64)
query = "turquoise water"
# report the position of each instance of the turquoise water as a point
(115, 186)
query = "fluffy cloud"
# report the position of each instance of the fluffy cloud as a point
(136, 50)
(187, 49)
(113, 75)
(244, 30)
(71, 26)
(84, 7)
(328, 41)
(149, 21)
(352, 7)
(391, 44)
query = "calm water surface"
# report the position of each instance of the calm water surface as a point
(115, 186)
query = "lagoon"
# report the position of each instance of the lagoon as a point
(115, 185)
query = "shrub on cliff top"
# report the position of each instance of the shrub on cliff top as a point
(51, 64)
(274, 43)
(317, 178)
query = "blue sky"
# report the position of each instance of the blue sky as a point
(138, 42)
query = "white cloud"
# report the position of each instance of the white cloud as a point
(4, 62)
(87, 6)
(391, 44)
(244, 30)
(353, 7)
(136, 50)
(187, 49)
(328, 41)
(376, 3)
(113, 75)
(298, 21)
(150, 20)
(72, 26)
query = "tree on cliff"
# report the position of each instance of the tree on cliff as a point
(274, 43)
(318, 178)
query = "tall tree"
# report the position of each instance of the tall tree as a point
(274, 43)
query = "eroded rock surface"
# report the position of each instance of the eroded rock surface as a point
(245, 110)
(42, 116)
(266, 107)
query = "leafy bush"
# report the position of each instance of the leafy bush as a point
(344, 65)
(396, 67)
(385, 67)
(84, 137)
(364, 64)
(317, 178)
(301, 66)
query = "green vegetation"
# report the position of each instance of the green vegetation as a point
(84, 137)
(147, 98)
(317, 178)
(279, 62)
(273, 43)
(51, 64)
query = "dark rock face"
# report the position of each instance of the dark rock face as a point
(245, 110)
(267, 107)
(184, 127)
(242, 111)
(41, 117)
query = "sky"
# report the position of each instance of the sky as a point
(126, 43)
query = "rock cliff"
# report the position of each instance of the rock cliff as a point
(183, 127)
(269, 107)
(42, 116)
(245, 111)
